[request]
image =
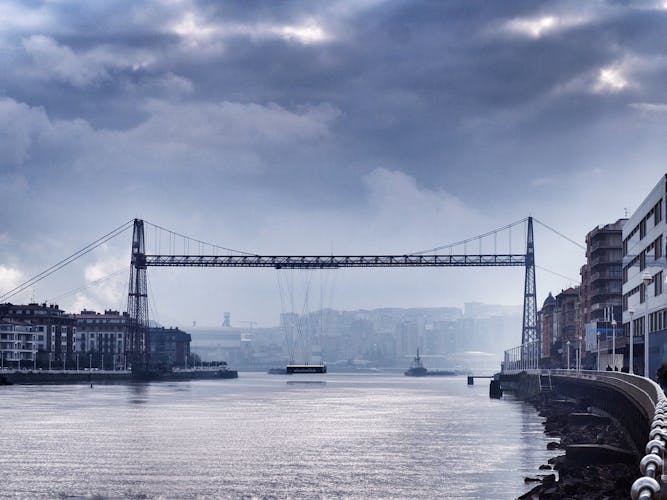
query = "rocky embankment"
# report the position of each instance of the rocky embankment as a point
(597, 463)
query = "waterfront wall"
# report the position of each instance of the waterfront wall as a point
(64, 376)
(106, 376)
(626, 400)
(630, 399)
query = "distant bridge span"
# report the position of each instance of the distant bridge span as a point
(334, 261)
(137, 304)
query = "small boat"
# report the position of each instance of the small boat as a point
(417, 369)
(321, 368)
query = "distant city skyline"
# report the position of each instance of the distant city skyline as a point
(337, 127)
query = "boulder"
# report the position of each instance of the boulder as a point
(598, 454)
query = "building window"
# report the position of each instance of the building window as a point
(642, 229)
(642, 260)
(657, 283)
(658, 247)
(642, 293)
(657, 213)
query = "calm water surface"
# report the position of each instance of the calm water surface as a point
(354, 436)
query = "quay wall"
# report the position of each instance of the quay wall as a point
(104, 377)
(629, 399)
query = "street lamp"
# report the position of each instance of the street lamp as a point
(646, 279)
(597, 335)
(579, 354)
(613, 340)
(631, 361)
(568, 355)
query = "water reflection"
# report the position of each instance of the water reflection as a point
(357, 436)
(138, 393)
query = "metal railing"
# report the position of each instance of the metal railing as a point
(523, 357)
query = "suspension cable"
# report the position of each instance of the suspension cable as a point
(557, 274)
(91, 284)
(200, 242)
(66, 261)
(560, 234)
(468, 240)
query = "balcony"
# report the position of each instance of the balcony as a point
(605, 259)
(613, 244)
(607, 275)
(597, 306)
(610, 288)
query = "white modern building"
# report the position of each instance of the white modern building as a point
(54, 331)
(644, 297)
(18, 344)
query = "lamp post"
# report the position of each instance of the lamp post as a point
(597, 335)
(631, 361)
(579, 354)
(613, 340)
(646, 279)
(568, 355)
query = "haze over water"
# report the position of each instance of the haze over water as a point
(355, 436)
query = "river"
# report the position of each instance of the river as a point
(269, 436)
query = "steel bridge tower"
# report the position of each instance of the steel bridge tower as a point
(530, 333)
(137, 340)
(137, 345)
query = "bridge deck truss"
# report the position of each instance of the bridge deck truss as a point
(334, 261)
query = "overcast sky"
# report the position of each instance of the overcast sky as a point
(319, 127)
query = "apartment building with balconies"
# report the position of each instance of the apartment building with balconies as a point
(102, 336)
(18, 346)
(54, 330)
(601, 295)
(644, 302)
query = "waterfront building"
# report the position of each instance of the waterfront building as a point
(567, 313)
(546, 317)
(600, 294)
(643, 302)
(558, 320)
(18, 345)
(101, 338)
(54, 330)
(170, 347)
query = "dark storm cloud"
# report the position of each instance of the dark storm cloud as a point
(391, 124)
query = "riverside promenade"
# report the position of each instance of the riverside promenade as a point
(9, 377)
(636, 404)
